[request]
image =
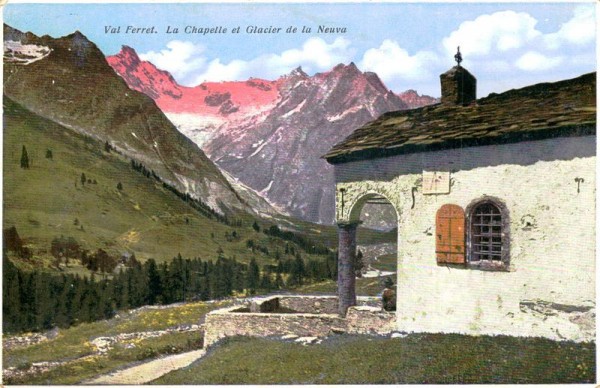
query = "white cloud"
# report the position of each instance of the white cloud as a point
(505, 49)
(316, 53)
(500, 31)
(217, 71)
(505, 31)
(390, 61)
(190, 66)
(181, 59)
(495, 66)
(580, 30)
(535, 61)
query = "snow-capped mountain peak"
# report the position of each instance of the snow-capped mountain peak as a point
(270, 134)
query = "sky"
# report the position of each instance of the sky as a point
(504, 45)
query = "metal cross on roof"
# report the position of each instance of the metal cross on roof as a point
(458, 56)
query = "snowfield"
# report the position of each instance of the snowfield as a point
(24, 54)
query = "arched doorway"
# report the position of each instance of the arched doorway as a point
(370, 235)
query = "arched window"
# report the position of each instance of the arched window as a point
(488, 234)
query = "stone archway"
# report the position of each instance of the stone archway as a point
(347, 243)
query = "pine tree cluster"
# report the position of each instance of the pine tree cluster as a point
(37, 300)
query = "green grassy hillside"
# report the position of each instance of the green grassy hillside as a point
(48, 200)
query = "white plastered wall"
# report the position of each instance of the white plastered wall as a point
(549, 289)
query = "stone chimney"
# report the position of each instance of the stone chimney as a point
(459, 87)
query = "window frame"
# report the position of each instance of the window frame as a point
(504, 263)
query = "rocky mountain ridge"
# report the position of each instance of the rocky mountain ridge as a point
(270, 135)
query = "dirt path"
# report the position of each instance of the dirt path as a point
(148, 371)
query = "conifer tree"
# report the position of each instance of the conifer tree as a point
(43, 306)
(122, 289)
(62, 309)
(138, 286)
(238, 282)
(219, 283)
(79, 290)
(205, 288)
(298, 269)
(12, 309)
(265, 281)
(154, 283)
(24, 158)
(106, 304)
(166, 287)
(253, 276)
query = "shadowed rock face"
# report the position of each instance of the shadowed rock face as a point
(74, 85)
(271, 134)
(279, 154)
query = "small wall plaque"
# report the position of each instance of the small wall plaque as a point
(436, 182)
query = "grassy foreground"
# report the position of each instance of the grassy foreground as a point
(417, 358)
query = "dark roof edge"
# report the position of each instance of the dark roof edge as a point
(585, 129)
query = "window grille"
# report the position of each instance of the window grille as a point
(486, 233)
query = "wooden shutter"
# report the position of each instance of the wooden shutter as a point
(450, 234)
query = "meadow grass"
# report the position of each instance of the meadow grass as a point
(75, 342)
(364, 286)
(415, 359)
(387, 262)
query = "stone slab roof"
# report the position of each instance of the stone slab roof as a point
(541, 111)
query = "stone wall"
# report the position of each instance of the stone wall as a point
(549, 189)
(226, 323)
(370, 320)
(311, 304)
(366, 318)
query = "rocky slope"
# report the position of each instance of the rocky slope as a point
(278, 154)
(68, 81)
(270, 135)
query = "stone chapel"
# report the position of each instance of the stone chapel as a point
(496, 206)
